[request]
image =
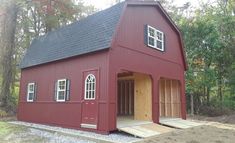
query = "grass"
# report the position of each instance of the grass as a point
(6, 129)
(14, 133)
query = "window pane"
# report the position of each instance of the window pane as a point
(93, 79)
(93, 94)
(151, 32)
(31, 88)
(93, 86)
(159, 36)
(61, 85)
(89, 95)
(89, 78)
(159, 44)
(86, 94)
(31, 96)
(151, 41)
(61, 95)
(90, 86)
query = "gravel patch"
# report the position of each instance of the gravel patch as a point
(117, 137)
(57, 138)
(40, 136)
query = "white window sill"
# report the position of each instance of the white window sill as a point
(60, 100)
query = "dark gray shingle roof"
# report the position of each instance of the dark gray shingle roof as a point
(91, 34)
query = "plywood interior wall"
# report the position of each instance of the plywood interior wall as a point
(170, 105)
(125, 100)
(142, 96)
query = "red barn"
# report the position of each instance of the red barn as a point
(123, 63)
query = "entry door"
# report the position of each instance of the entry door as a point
(90, 96)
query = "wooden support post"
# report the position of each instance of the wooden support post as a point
(172, 103)
(179, 98)
(165, 95)
(132, 96)
(125, 98)
(118, 98)
(121, 98)
(160, 98)
(129, 93)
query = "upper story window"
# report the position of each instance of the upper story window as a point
(155, 38)
(90, 84)
(31, 92)
(62, 90)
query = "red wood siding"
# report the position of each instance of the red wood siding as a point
(67, 114)
(129, 53)
(131, 33)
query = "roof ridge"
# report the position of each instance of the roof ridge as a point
(90, 34)
(77, 21)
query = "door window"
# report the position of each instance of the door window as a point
(90, 84)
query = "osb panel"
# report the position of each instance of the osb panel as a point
(142, 97)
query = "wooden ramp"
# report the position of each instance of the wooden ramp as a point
(145, 130)
(178, 123)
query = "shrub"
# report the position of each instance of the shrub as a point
(229, 103)
(213, 111)
(3, 113)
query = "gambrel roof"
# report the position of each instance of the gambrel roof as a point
(91, 34)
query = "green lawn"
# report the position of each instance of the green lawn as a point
(15, 133)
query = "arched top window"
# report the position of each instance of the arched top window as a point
(90, 84)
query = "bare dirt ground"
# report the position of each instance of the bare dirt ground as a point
(216, 130)
(229, 119)
(200, 134)
(211, 132)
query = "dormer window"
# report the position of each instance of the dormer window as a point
(155, 38)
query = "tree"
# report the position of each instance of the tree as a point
(209, 36)
(8, 49)
(23, 21)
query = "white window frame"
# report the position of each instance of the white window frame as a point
(89, 91)
(59, 90)
(155, 38)
(29, 91)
